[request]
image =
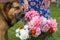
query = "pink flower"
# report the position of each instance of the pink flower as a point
(36, 31)
(45, 28)
(43, 20)
(34, 22)
(53, 24)
(30, 14)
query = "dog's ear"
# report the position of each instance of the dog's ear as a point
(5, 9)
(7, 6)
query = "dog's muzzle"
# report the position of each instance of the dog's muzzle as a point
(19, 16)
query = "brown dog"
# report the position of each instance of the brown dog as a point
(9, 15)
(12, 12)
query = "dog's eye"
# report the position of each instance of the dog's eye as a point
(17, 8)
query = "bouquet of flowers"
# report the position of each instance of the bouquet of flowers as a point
(36, 26)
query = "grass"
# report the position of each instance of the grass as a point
(55, 13)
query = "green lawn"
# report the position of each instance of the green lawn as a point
(55, 13)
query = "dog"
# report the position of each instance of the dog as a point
(10, 13)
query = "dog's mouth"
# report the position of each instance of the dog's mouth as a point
(19, 16)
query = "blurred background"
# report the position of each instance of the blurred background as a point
(54, 12)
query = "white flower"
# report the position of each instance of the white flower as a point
(26, 26)
(17, 33)
(23, 34)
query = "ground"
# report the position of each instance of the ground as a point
(54, 12)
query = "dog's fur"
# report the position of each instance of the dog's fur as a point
(7, 19)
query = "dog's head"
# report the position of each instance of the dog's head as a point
(13, 11)
(18, 11)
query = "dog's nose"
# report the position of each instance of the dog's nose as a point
(19, 15)
(17, 8)
(15, 16)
